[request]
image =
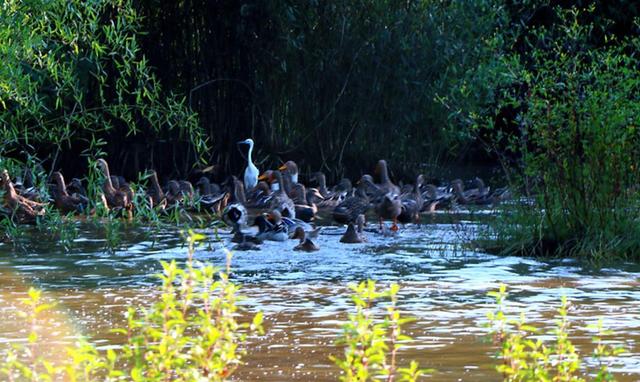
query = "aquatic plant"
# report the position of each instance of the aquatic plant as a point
(59, 228)
(189, 333)
(525, 356)
(371, 344)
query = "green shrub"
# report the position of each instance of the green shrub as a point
(577, 141)
(525, 357)
(73, 75)
(371, 344)
(190, 333)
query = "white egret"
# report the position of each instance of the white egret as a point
(251, 172)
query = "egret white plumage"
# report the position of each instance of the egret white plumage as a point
(251, 172)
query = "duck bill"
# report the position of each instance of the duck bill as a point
(283, 167)
(262, 177)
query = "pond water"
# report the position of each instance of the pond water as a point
(305, 296)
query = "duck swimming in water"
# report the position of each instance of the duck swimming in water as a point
(271, 227)
(355, 232)
(306, 244)
(349, 209)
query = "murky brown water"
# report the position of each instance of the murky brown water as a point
(305, 296)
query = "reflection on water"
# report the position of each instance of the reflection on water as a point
(304, 296)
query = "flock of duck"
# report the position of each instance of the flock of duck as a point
(285, 207)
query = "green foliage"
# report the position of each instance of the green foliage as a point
(527, 357)
(73, 75)
(190, 333)
(578, 141)
(362, 80)
(371, 344)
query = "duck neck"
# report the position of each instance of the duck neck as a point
(384, 174)
(107, 177)
(8, 187)
(156, 186)
(62, 188)
(457, 188)
(286, 183)
(322, 183)
(238, 193)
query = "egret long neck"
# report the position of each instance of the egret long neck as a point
(249, 154)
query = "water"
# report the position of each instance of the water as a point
(304, 296)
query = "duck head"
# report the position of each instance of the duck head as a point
(290, 168)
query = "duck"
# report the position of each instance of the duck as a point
(321, 180)
(354, 233)
(115, 198)
(235, 213)
(65, 202)
(206, 188)
(323, 198)
(279, 199)
(290, 169)
(22, 209)
(251, 172)
(211, 197)
(412, 203)
(186, 188)
(259, 197)
(435, 197)
(295, 191)
(305, 210)
(246, 245)
(75, 187)
(305, 244)
(389, 208)
(271, 227)
(385, 184)
(174, 194)
(155, 193)
(349, 209)
(479, 195)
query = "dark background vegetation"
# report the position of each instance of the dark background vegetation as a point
(333, 85)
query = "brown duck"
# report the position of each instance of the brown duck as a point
(116, 199)
(354, 233)
(22, 209)
(412, 203)
(389, 208)
(306, 244)
(65, 202)
(385, 184)
(155, 193)
(348, 211)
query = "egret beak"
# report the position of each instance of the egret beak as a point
(241, 142)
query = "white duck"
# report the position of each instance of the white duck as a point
(251, 172)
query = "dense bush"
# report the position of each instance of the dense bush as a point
(327, 83)
(73, 79)
(577, 144)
